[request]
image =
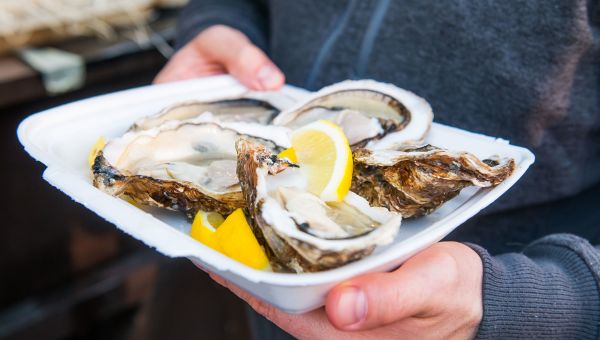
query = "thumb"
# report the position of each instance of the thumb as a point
(246, 62)
(377, 299)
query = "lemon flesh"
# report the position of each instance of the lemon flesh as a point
(204, 228)
(99, 145)
(324, 154)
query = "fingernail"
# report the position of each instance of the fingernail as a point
(268, 77)
(352, 306)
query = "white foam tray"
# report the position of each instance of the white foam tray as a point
(62, 137)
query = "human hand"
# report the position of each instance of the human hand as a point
(221, 49)
(434, 295)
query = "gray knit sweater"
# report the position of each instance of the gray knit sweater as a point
(523, 70)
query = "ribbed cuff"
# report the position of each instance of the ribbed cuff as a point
(551, 291)
(197, 17)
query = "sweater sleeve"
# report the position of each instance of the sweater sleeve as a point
(247, 16)
(549, 291)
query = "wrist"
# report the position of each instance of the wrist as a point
(467, 290)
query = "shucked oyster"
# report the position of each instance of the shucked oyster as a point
(372, 114)
(415, 182)
(227, 110)
(302, 232)
(186, 165)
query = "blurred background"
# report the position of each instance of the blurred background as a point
(64, 272)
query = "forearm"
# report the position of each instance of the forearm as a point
(550, 291)
(247, 16)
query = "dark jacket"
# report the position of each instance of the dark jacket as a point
(524, 70)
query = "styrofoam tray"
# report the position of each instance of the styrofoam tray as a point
(62, 137)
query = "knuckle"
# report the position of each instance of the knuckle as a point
(449, 264)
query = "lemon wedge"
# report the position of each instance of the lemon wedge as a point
(289, 154)
(323, 152)
(100, 143)
(204, 228)
(232, 237)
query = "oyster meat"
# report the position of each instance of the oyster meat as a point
(417, 181)
(300, 231)
(372, 114)
(181, 165)
(228, 110)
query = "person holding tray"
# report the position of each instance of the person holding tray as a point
(527, 72)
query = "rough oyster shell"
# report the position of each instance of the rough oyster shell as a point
(186, 166)
(295, 233)
(417, 181)
(228, 110)
(372, 114)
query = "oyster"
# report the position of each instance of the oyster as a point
(186, 165)
(227, 110)
(301, 232)
(416, 181)
(372, 114)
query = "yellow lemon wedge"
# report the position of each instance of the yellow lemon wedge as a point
(204, 228)
(289, 154)
(100, 143)
(232, 237)
(237, 241)
(323, 152)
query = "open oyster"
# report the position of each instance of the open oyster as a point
(303, 233)
(227, 110)
(416, 181)
(372, 114)
(181, 165)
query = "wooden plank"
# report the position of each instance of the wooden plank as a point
(18, 82)
(104, 60)
(11, 68)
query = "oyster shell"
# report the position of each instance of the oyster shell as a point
(187, 165)
(417, 181)
(301, 232)
(372, 114)
(228, 110)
